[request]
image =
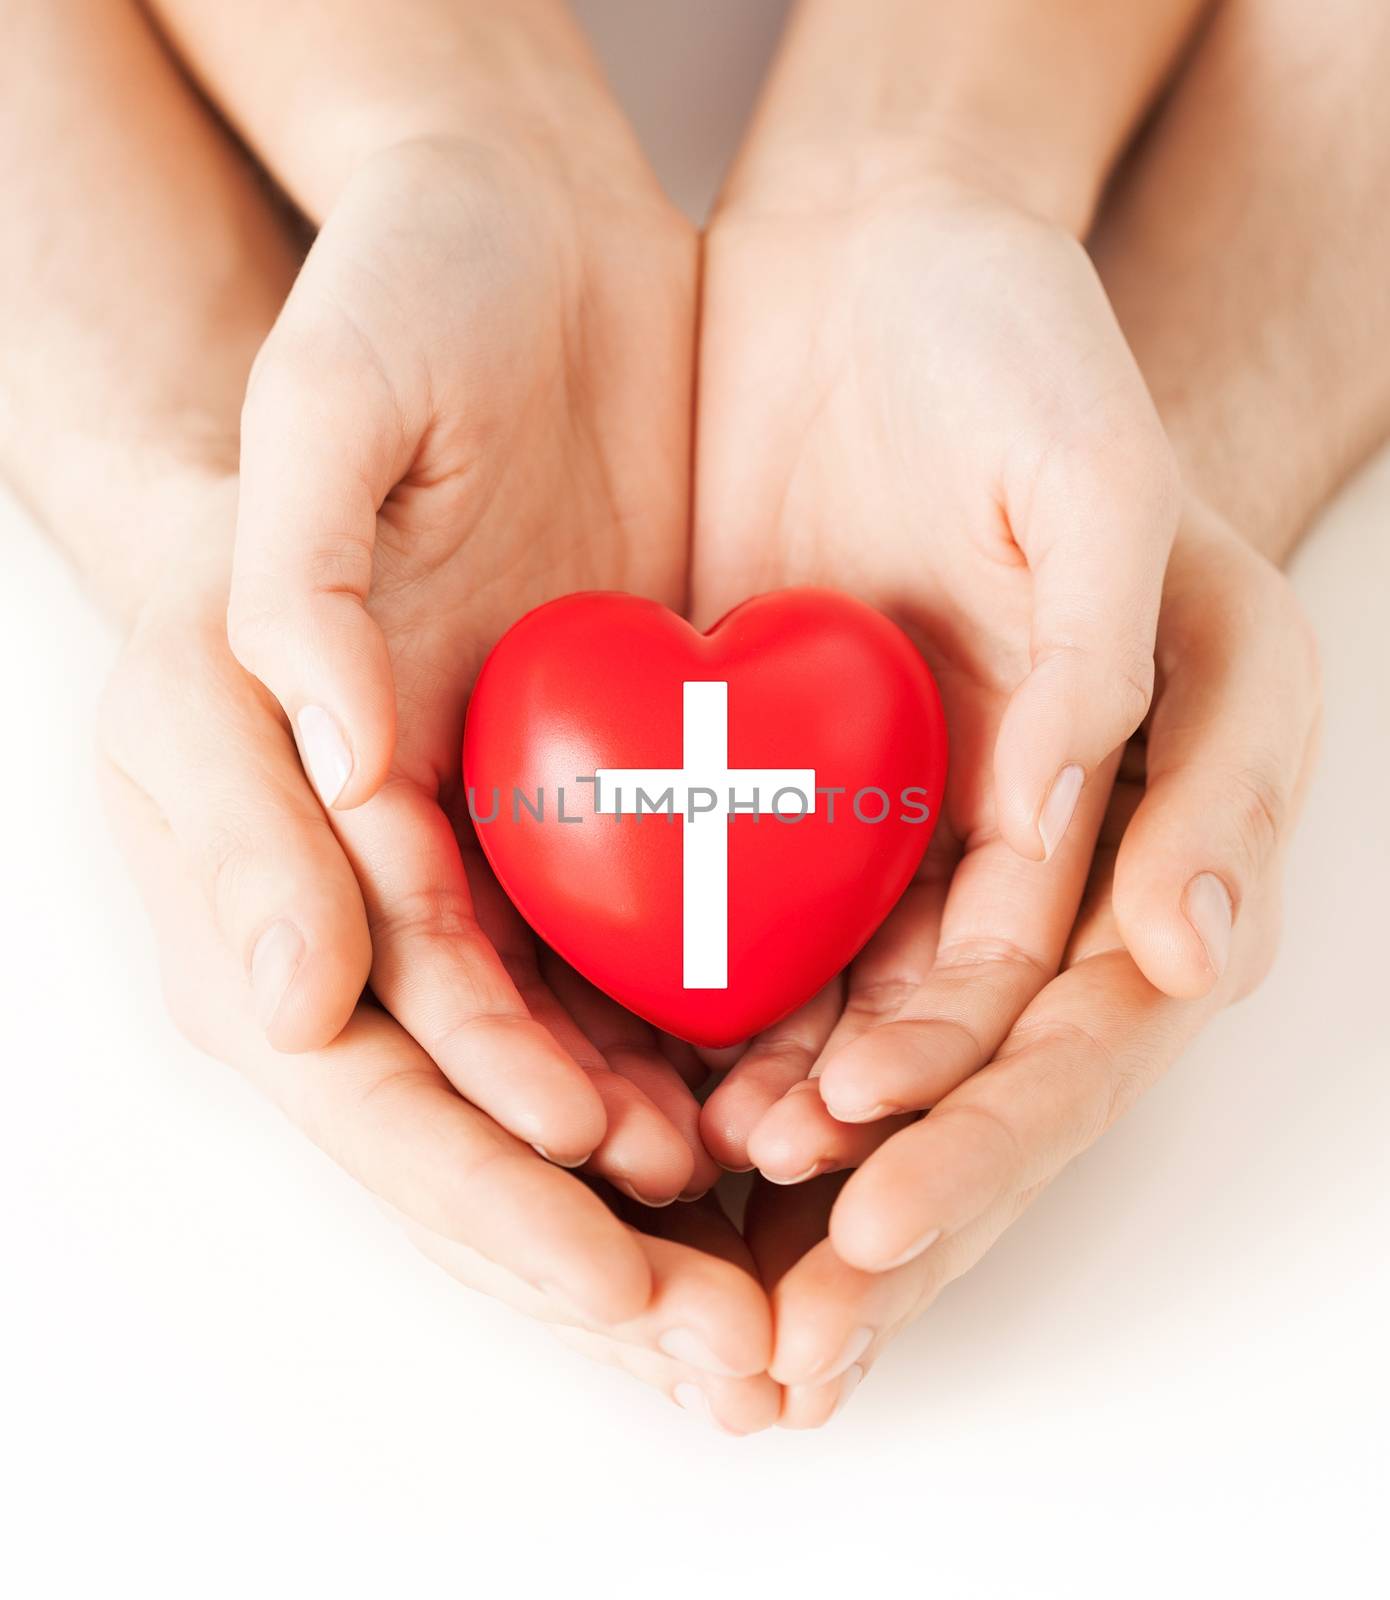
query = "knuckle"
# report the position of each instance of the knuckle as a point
(1091, 1084)
(228, 861)
(998, 1133)
(970, 959)
(1133, 688)
(425, 913)
(1256, 796)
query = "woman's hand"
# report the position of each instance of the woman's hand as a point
(223, 834)
(922, 396)
(1213, 788)
(475, 399)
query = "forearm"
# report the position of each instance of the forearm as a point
(319, 86)
(1247, 253)
(140, 267)
(1032, 98)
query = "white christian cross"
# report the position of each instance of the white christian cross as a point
(705, 774)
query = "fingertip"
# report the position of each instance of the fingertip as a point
(1020, 782)
(870, 1232)
(317, 1000)
(725, 1124)
(856, 1084)
(1072, 712)
(781, 1145)
(572, 1126)
(328, 664)
(1175, 921)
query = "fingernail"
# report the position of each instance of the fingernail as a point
(812, 1171)
(692, 1398)
(545, 1155)
(642, 1199)
(325, 751)
(1209, 910)
(862, 1113)
(274, 962)
(924, 1243)
(686, 1346)
(848, 1384)
(1058, 807)
(854, 1347)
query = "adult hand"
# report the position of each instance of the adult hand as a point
(921, 395)
(222, 831)
(476, 398)
(1214, 788)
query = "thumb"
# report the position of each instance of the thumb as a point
(316, 446)
(1098, 527)
(1228, 754)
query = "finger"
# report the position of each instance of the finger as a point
(1228, 751)
(733, 1405)
(1096, 523)
(378, 1106)
(640, 1152)
(198, 736)
(439, 975)
(321, 447)
(1003, 928)
(834, 1321)
(798, 1138)
(1078, 1057)
(822, 1309)
(628, 1050)
(775, 1062)
(705, 1313)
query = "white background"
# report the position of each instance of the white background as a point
(224, 1374)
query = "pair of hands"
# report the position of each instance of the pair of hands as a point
(478, 397)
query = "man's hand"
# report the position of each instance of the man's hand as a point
(852, 1262)
(217, 821)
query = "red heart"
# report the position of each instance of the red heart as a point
(641, 904)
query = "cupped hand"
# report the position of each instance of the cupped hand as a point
(222, 832)
(923, 398)
(1213, 789)
(476, 398)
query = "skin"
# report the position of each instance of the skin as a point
(1235, 351)
(474, 399)
(102, 377)
(1228, 740)
(968, 392)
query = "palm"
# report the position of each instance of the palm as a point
(897, 450)
(513, 365)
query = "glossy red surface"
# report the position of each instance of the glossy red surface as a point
(816, 680)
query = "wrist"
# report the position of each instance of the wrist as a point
(163, 552)
(945, 160)
(512, 76)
